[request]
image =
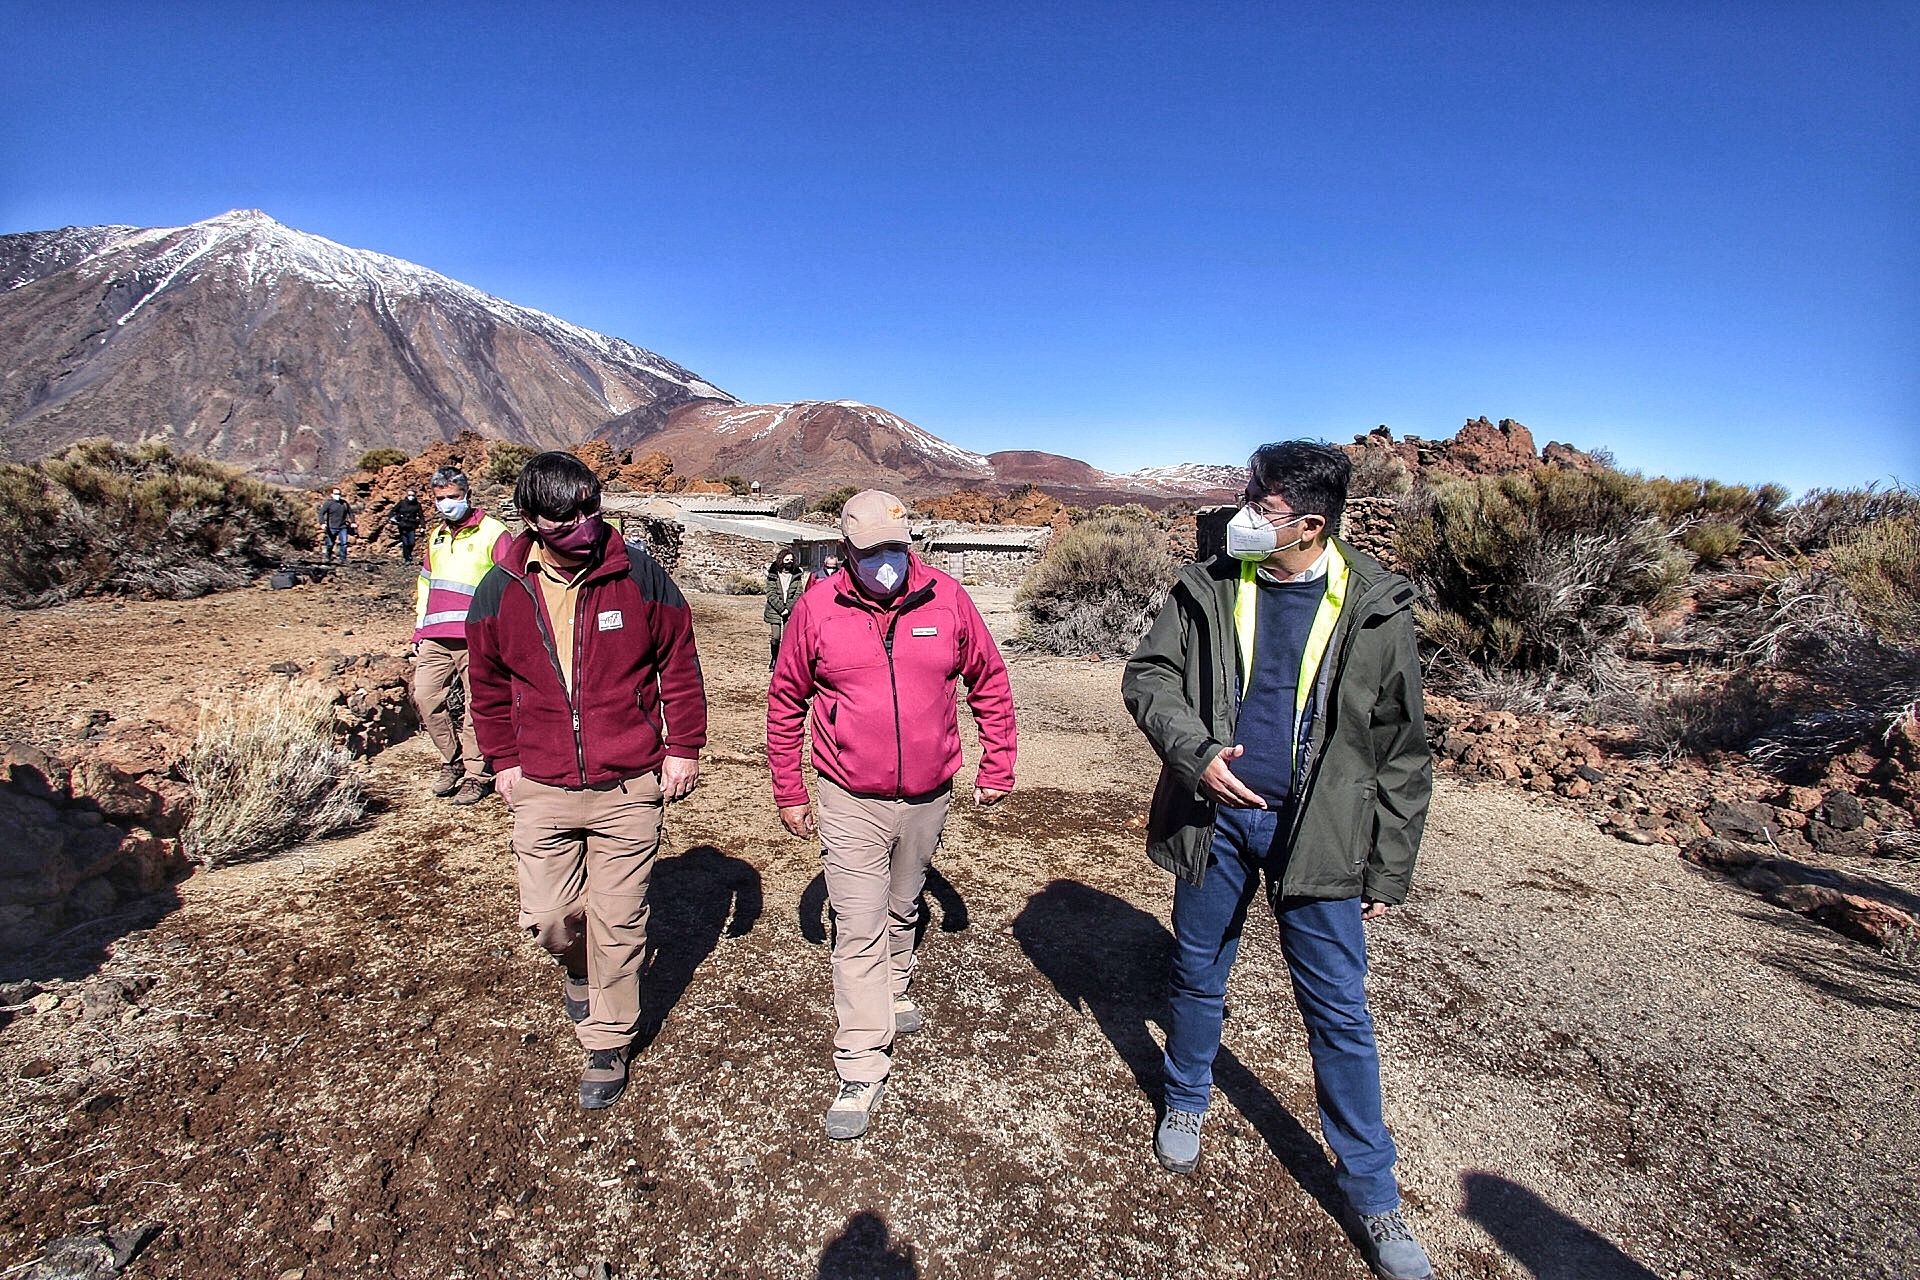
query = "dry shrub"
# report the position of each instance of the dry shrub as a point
(1540, 575)
(1699, 714)
(1712, 541)
(378, 459)
(1855, 680)
(831, 503)
(107, 517)
(743, 584)
(504, 460)
(1823, 517)
(1379, 473)
(266, 774)
(1879, 566)
(1099, 585)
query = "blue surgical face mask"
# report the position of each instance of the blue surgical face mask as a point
(453, 509)
(882, 571)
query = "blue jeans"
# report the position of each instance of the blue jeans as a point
(1326, 953)
(337, 538)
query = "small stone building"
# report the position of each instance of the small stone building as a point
(985, 555)
(719, 542)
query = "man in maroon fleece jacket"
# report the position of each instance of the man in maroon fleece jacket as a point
(588, 704)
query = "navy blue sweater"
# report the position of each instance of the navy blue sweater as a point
(1266, 724)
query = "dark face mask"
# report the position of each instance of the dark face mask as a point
(576, 543)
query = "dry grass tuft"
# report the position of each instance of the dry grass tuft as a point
(267, 774)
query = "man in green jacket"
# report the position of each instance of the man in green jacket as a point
(1280, 687)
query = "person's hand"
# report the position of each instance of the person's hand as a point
(797, 819)
(1224, 787)
(413, 649)
(987, 796)
(678, 777)
(1374, 910)
(504, 782)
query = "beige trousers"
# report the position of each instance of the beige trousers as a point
(584, 857)
(443, 664)
(875, 854)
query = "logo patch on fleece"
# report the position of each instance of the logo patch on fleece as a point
(926, 631)
(610, 620)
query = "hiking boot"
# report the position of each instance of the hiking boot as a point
(853, 1105)
(1177, 1141)
(604, 1079)
(446, 782)
(573, 998)
(472, 791)
(1392, 1251)
(907, 1017)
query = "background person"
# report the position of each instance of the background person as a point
(465, 543)
(406, 517)
(785, 581)
(1311, 772)
(336, 527)
(588, 702)
(876, 651)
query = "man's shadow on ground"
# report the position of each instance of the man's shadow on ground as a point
(816, 915)
(1540, 1237)
(1107, 956)
(697, 897)
(866, 1250)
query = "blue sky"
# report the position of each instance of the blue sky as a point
(1134, 234)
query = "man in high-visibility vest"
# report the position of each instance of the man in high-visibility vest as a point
(1280, 687)
(463, 546)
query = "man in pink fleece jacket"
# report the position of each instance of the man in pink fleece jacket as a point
(876, 649)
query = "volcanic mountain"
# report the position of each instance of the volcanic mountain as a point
(288, 355)
(244, 340)
(818, 445)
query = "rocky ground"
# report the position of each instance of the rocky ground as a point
(1601, 1061)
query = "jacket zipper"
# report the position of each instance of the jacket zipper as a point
(911, 601)
(899, 735)
(553, 656)
(1312, 760)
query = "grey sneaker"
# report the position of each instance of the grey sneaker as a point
(1177, 1141)
(446, 782)
(907, 1016)
(853, 1105)
(573, 995)
(1396, 1255)
(472, 791)
(604, 1079)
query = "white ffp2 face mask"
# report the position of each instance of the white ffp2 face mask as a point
(1251, 536)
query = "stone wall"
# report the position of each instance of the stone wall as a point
(708, 560)
(996, 568)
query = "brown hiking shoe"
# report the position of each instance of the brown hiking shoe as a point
(446, 782)
(472, 791)
(604, 1079)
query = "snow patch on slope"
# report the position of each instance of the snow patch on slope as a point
(251, 248)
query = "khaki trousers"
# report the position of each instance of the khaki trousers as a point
(443, 664)
(875, 854)
(584, 857)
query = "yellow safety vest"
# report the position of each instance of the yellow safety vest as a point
(457, 558)
(1246, 613)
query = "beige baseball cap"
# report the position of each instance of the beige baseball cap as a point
(873, 517)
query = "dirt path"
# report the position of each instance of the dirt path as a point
(347, 1063)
